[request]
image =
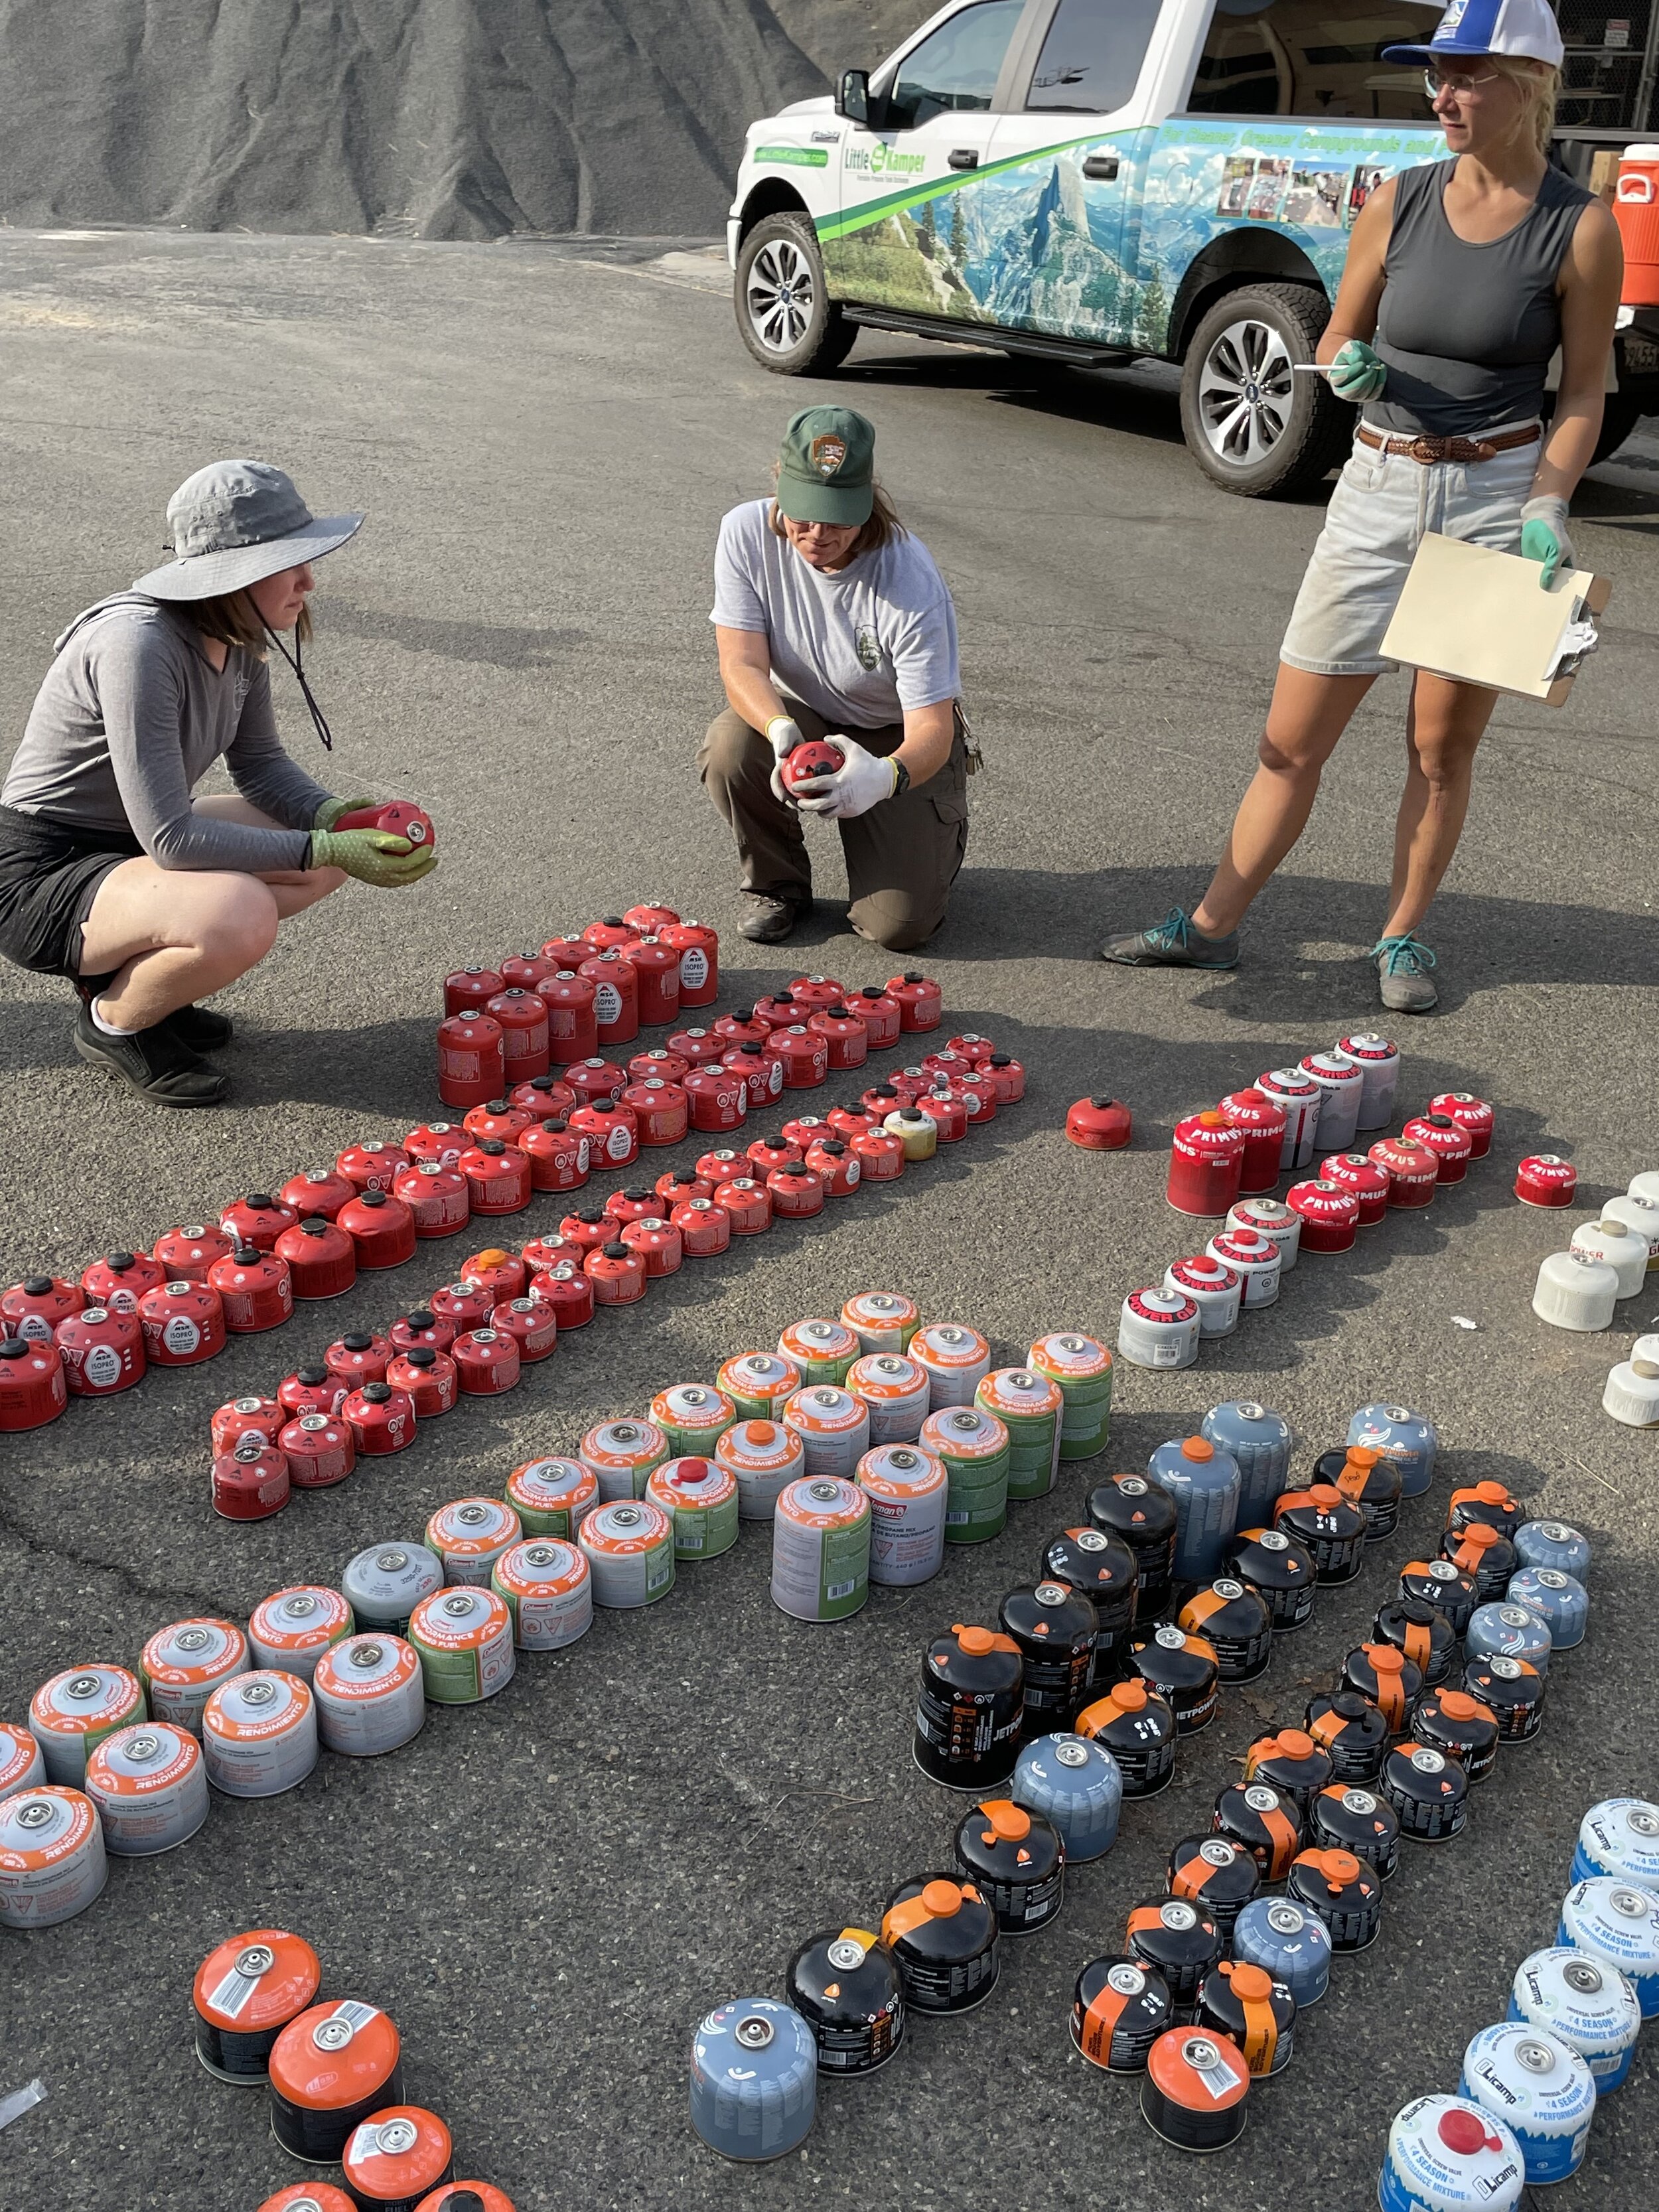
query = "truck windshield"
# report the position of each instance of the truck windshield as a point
(957, 68)
(1312, 58)
(1091, 57)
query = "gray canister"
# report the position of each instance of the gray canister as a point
(384, 1584)
(1260, 1440)
(754, 2079)
(1407, 1438)
(1076, 1784)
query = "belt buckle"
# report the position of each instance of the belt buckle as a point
(1425, 450)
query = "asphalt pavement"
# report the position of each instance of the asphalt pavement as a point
(547, 1892)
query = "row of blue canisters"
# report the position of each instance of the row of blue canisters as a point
(1530, 2083)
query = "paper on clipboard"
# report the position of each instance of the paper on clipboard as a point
(1479, 616)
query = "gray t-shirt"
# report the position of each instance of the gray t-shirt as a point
(858, 647)
(131, 716)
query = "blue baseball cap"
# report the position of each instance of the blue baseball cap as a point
(1525, 29)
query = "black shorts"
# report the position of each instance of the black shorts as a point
(50, 872)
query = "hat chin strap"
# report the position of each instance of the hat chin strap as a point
(295, 661)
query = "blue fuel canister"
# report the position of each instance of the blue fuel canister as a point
(1616, 1924)
(1259, 1441)
(1205, 1483)
(1559, 1599)
(1553, 1544)
(1287, 1943)
(754, 2079)
(1074, 1783)
(1407, 1438)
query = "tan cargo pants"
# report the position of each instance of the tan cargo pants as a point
(901, 857)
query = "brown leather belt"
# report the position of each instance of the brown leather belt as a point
(1450, 449)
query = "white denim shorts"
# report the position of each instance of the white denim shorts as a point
(1382, 505)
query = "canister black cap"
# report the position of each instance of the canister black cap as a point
(314, 1225)
(260, 1200)
(376, 1393)
(420, 1318)
(616, 1251)
(119, 1262)
(372, 1198)
(491, 1145)
(38, 1286)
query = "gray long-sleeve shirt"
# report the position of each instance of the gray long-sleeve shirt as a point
(130, 719)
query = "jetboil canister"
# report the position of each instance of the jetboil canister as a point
(1217, 1872)
(1343, 1891)
(1119, 2010)
(895, 1390)
(1206, 1483)
(1280, 1571)
(1428, 1790)
(821, 1549)
(1015, 1860)
(973, 1448)
(72, 1713)
(943, 1935)
(1344, 1818)
(1619, 1840)
(1146, 1516)
(469, 1535)
(845, 1985)
(1483, 1554)
(1513, 1630)
(1258, 1441)
(620, 1455)
(1560, 1600)
(1590, 2008)
(1138, 1727)
(909, 1491)
(1541, 2089)
(1490, 1502)
(1252, 2011)
(1382, 1673)
(1409, 1439)
(1292, 1762)
(1290, 1944)
(52, 1857)
(1179, 1940)
(700, 1497)
(1447, 2154)
(833, 1428)
(1100, 1566)
(765, 1457)
(464, 1637)
(1053, 1627)
(1553, 1544)
(259, 1733)
(1183, 1669)
(1616, 1923)
(1444, 1586)
(291, 1629)
(384, 1583)
(954, 1358)
(244, 1993)
(329, 2070)
(1081, 1368)
(629, 1550)
(754, 2079)
(545, 1585)
(369, 1695)
(1368, 1478)
(970, 1707)
(181, 1666)
(150, 1788)
(1236, 1623)
(882, 1321)
(1422, 1633)
(1512, 1690)
(1332, 1528)
(1452, 1721)
(1159, 1327)
(395, 2158)
(1263, 1821)
(1195, 2089)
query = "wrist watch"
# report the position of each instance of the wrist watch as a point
(901, 776)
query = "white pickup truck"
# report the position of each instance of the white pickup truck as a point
(1100, 181)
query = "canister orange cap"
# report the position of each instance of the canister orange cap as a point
(1211, 1118)
(493, 1257)
(941, 1900)
(977, 1642)
(763, 1432)
(1325, 1495)
(1129, 1696)
(1482, 1535)
(1491, 1493)
(1338, 1868)
(1250, 1982)
(1008, 1823)
(1384, 1659)
(1363, 1456)
(1295, 1743)
(1197, 1448)
(1458, 1704)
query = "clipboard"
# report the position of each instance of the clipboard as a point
(1479, 616)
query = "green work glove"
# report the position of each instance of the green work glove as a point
(373, 856)
(332, 809)
(1543, 536)
(1356, 372)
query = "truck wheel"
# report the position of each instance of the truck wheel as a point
(784, 315)
(1619, 416)
(1253, 425)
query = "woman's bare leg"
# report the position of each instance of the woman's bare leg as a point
(1443, 727)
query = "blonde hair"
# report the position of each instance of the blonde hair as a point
(1539, 88)
(882, 529)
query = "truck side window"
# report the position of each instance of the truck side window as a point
(957, 68)
(1312, 57)
(1091, 58)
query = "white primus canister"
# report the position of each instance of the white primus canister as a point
(149, 1785)
(1631, 1392)
(369, 1694)
(259, 1733)
(1619, 1246)
(1574, 1292)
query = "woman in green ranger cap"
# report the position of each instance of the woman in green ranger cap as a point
(832, 622)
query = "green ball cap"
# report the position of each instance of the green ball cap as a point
(826, 471)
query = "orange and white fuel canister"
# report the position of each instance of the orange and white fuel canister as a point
(765, 1456)
(330, 2069)
(246, 1992)
(70, 1715)
(182, 1665)
(150, 1788)
(551, 1496)
(821, 1549)
(759, 1383)
(52, 1857)
(464, 1637)
(882, 1321)
(700, 1497)
(896, 1390)
(259, 1733)
(907, 1488)
(833, 1428)
(396, 2156)
(546, 1585)
(22, 1767)
(630, 1549)
(370, 1697)
(469, 1535)
(954, 1358)
(620, 1455)
(822, 1350)
(292, 1628)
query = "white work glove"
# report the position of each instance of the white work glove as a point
(783, 735)
(863, 781)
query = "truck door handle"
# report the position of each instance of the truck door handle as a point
(1101, 165)
(962, 157)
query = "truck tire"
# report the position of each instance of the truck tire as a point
(784, 315)
(1253, 426)
(1619, 416)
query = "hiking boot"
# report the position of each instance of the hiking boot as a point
(1175, 942)
(200, 1028)
(772, 919)
(1402, 975)
(153, 1062)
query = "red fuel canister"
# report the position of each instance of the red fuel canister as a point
(33, 1388)
(657, 967)
(102, 1351)
(381, 1227)
(919, 999)
(318, 1194)
(1205, 1160)
(615, 996)
(258, 1219)
(373, 1163)
(186, 1255)
(471, 989)
(699, 951)
(472, 1059)
(255, 1290)
(439, 1200)
(526, 1049)
(573, 1029)
(120, 1280)
(184, 1323)
(497, 1177)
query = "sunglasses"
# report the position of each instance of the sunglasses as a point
(1434, 84)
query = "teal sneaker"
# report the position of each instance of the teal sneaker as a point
(1175, 942)
(1402, 975)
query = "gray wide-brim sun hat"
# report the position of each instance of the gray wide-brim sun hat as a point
(235, 522)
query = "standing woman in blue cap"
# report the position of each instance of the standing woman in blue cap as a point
(112, 874)
(1462, 279)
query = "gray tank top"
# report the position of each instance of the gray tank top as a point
(1468, 332)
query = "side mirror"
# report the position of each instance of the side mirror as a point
(853, 95)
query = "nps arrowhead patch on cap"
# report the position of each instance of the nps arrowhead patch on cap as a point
(827, 453)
